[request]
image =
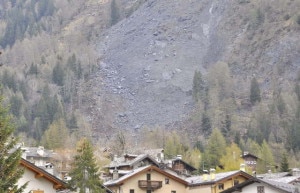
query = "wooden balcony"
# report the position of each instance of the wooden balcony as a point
(149, 184)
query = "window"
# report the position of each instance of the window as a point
(173, 191)
(148, 176)
(236, 182)
(131, 191)
(221, 186)
(260, 189)
(167, 181)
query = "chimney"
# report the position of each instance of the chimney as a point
(40, 151)
(212, 173)
(115, 158)
(179, 156)
(49, 168)
(243, 167)
(295, 172)
(205, 175)
(115, 174)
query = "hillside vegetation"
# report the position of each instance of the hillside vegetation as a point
(120, 70)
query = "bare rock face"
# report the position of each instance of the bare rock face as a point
(149, 59)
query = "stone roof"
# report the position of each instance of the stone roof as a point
(142, 169)
(283, 187)
(287, 179)
(37, 152)
(197, 180)
(118, 162)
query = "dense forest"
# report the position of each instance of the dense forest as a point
(49, 59)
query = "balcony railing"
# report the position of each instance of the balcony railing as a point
(149, 184)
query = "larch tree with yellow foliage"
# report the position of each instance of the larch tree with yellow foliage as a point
(231, 160)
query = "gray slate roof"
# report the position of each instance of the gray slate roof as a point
(121, 161)
(218, 176)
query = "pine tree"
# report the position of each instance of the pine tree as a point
(284, 165)
(199, 88)
(206, 125)
(215, 148)
(10, 172)
(254, 92)
(266, 161)
(85, 174)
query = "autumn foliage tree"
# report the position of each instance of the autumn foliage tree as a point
(214, 150)
(231, 160)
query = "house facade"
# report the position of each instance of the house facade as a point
(255, 185)
(147, 179)
(57, 164)
(151, 178)
(250, 161)
(39, 180)
(216, 183)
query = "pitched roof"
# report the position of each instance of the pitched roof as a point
(200, 180)
(247, 154)
(283, 187)
(121, 161)
(287, 179)
(39, 152)
(185, 163)
(57, 183)
(137, 171)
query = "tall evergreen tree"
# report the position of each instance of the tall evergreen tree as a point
(206, 124)
(199, 88)
(58, 75)
(284, 165)
(254, 92)
(85, 174)
(215, 149)
(266, 161)
(10, 172)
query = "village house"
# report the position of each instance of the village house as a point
(250, 161)
(127, 163)
(147, 179)
(255, 185)
(181, 167)
(53, 162)
(151, 178)
(216, 183)
(39, 180)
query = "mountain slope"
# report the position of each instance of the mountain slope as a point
(148, 60)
